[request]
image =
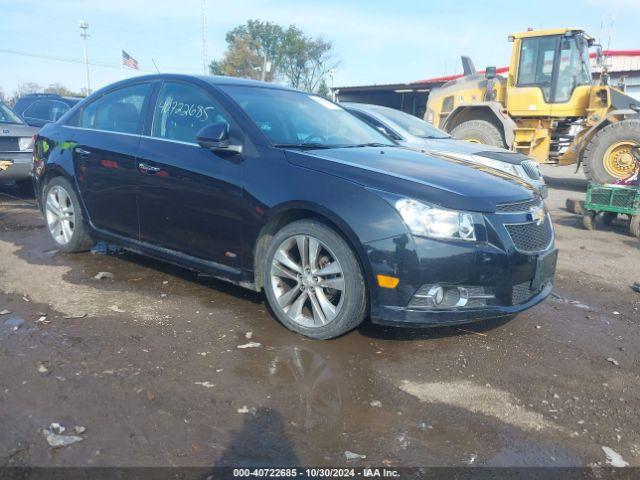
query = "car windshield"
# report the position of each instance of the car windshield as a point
(296, 119)
(411, 124)
(7, 115)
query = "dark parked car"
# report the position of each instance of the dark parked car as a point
(419, 135)
(38, 109)
(286, 192)
(16, 149)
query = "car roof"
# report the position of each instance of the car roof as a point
(367, 107)
(50, 95)
(216, 80)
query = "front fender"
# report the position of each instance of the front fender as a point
(360, 215)
(479, 111)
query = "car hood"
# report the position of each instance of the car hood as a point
(452, 146)
(438, 180)
(16, 130)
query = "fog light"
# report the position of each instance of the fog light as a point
(451, 296)
(436, 294)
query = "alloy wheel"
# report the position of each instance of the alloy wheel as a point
(61, 219)
(307, 281)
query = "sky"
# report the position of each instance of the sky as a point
(376, 41)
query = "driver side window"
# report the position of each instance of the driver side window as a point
(182, 110)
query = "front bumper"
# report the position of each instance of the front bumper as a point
(413, 317)
(15, 166)
(510, 276)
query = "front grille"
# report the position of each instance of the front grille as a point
(521, 293)
(519, 207)
(9, 144)
(531, 237)
(531, 168)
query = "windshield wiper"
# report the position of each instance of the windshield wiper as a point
(303, 145)
(371, 144)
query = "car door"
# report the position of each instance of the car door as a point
(107, 140)
(190, 197)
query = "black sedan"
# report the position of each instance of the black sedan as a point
(283, 191)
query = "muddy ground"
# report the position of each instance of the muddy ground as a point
(150, 363)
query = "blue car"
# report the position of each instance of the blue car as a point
(38, 109)
(285, 192)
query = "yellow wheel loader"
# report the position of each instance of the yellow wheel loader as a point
(547, 107)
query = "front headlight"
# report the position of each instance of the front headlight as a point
(428, 221)
(25, 144)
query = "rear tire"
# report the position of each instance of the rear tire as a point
(609, 217)
(63, 215)
(479, 131)
(589, 220)
(634, 226)
(25, 187)
(294, 291)
(625, 131)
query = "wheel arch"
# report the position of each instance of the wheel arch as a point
(49, 174)
(290, 212)
(588, 136)
(614, 116)
(488, 111)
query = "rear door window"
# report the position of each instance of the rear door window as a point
(117, 111)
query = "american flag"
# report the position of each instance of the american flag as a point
(129, 61)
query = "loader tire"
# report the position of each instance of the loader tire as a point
(479, 131)
(607, 157)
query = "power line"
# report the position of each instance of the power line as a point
(92, 63)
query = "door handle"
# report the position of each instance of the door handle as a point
(82, 152)
(146, 168)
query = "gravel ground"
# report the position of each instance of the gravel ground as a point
(151, 363)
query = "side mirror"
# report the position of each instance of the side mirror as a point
(215, 137)
(490, 73)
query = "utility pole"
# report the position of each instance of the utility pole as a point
(203, 5)
(266, 67)
(84, 27)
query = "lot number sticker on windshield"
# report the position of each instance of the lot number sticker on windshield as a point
(324, 103)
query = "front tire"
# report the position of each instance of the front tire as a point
(589, 220)
(608, 156)
(63, 216)
(313, 281)
(479, 131)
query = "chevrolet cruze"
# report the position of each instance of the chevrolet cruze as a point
(285, 192)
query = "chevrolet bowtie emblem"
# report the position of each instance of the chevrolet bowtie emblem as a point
(537, 215)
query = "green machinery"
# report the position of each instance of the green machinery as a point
(611, 201)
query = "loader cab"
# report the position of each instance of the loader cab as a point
(549, 74)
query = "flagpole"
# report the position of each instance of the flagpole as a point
(121, 64)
